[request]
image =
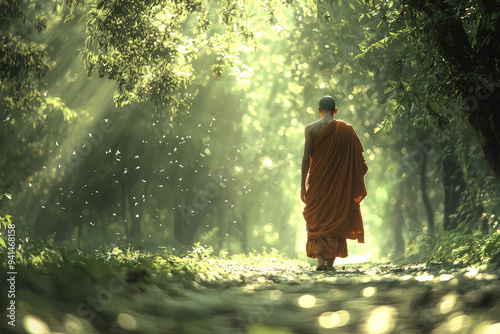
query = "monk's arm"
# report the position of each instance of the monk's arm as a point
(361, 150)
(364, 166)
(306, 160)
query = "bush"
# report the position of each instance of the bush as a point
(459, 247)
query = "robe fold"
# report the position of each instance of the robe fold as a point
(335, 187)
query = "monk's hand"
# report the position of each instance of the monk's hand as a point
(303, 193)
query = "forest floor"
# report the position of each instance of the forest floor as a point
(252, 294)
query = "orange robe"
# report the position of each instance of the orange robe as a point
(335, 187)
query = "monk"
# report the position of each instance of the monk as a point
(333, 169)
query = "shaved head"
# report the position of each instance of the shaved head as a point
(327, 103)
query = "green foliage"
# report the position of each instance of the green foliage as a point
(39, 256)
(53, 104)
(149, 48)
(441, 55)
(22, 65)
(28, 106)
(232, 83)
(5, 221)
(443, 63)
(267, 84)
(458, 247)
(23, 61)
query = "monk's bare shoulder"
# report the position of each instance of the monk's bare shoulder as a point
(315, 128)
(313, 125)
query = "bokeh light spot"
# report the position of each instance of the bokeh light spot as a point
(268, 162)
(35, 325)
(381, 320)
(126, 321)
(340, 318)
(369, 291)
(424, 278)
(445, 277)
(325, 320)
(494, 329)
(447, 302)
(307, 301)
(381, 194)
(457, 322)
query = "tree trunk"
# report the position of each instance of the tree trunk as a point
(425, 197)
(485, 120)
(471, 68)
(185, 225)
(244, 231)
(485, 228)
(124, 209)
(454, 186)
(399, 241)
(288, 242)
(135, 217)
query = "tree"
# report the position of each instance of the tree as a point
(452, 44)
(205, 134)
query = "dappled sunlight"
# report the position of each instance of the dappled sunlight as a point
(445, 277)
(267, 162)
(494, 328)
(369, 291)
(472, 272)
(424, 278)
(306, 301)
(487, 327)
(447, 303)
(127, 322)
(267, 291)
(35, 325)
(334, 319)
(457, 322)
(353, 259)
(381, 320)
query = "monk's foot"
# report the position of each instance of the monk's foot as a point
(321, 268)
(330, 268)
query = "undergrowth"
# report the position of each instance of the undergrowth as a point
(457, 247)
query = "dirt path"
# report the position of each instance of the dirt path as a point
(364, 299)
(271, 297)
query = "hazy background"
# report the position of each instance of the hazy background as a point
(93, 166)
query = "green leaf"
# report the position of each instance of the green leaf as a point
(2, 242)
